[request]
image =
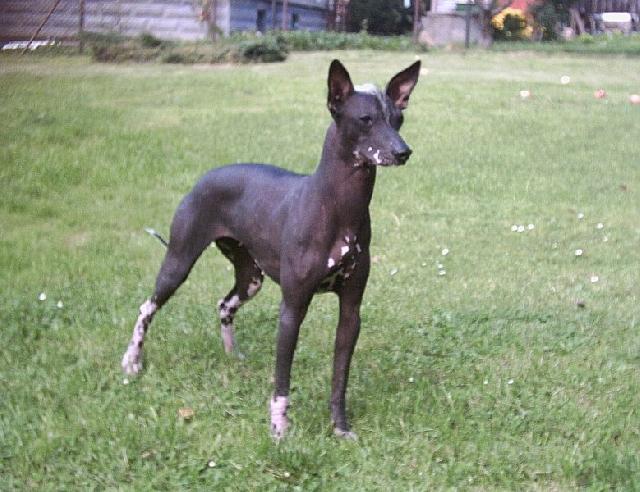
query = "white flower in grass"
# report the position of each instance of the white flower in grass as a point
(442, 273)
(599, 225)
(524, 94)
(580, 216)
(445, 251)
(125, 381)
(510, 381)
(579, 252)
(411, 380)
(565, 79)
(595, 279)
(60, 305)
(287, 474)
(520, 228)
(42, 296)
(531, 227)
(211, 464)
(514, 228)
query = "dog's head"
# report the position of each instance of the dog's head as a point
(369, 119)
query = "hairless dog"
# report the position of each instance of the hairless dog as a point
(309, 233)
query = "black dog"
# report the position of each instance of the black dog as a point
(309, 234)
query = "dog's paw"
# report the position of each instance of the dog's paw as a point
(131, 363)
(278, 406)
(345, 434)
(279, 430)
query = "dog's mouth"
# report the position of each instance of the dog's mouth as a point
(378, 158)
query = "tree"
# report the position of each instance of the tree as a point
(379, 16)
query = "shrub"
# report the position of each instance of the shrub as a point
(329, 41)
(264, 49)
(511, 25)
(148, 40)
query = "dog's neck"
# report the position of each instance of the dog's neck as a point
(339, 175)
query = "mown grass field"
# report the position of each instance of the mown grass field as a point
(514, 370)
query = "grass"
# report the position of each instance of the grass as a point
(601, 44)
(488, 377)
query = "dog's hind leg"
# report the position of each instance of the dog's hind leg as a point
(248, 281)
(183, 251)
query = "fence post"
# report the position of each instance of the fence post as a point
(81, 26)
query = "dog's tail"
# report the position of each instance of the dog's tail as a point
(157, 235)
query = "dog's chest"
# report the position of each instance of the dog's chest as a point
(341, 263)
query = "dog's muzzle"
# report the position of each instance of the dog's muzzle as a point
(402, 156)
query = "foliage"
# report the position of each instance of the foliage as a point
(547, 19)
(510, 25)
(329, 40)
(147, 48)
(606, 44)
(237, 48)
(385, 17)
(264, 49)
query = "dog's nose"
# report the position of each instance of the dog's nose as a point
(403, 155)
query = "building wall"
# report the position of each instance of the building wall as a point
(166, 19)
(311, 15)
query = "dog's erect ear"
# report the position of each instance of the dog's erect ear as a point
(400, 86)
(340, 86)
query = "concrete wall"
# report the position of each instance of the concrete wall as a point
(443, 29)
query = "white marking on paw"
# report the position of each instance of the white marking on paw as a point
(228, 338)
(131, 361)
(226, 307)
(331, 262)
(376, 157)
(278, 406)
(351, 436)
(344, 250)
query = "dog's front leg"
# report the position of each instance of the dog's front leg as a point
(292, 312)
(350, 295)
(346, 338)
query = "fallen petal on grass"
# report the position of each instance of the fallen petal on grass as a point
(186, 413)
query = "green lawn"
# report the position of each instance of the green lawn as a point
(515, 370)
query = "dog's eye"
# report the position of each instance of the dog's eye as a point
(367, 120)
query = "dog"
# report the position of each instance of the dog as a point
(309, 233)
